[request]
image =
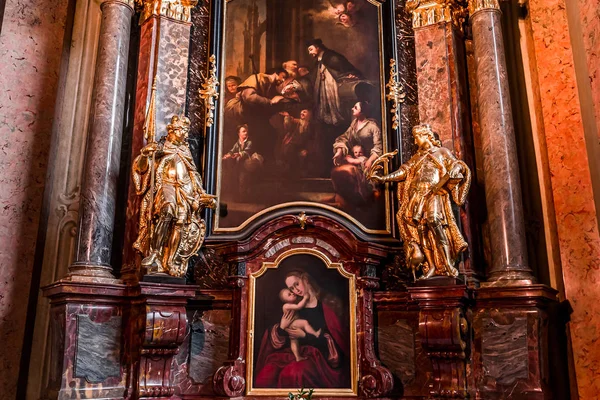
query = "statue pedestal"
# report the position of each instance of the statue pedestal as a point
(510, 342)
(115, 341)
(86, 331)
(444, 331)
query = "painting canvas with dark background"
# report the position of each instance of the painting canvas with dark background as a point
(301, 108)
(324, 357)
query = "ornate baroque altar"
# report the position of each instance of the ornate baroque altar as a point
(118, 332)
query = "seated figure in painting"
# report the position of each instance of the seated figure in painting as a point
(171, 228)
(348, 175)
(427, 184)
(325, 357)
(241, 162)
(291, 304)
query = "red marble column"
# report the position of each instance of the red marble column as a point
(443, 98)
(500, 165)
(163, 54)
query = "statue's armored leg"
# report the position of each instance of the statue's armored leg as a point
(174, 240)
(153, 262)
(443, 244)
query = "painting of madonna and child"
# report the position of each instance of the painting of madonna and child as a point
(303, 335)
(301, 108)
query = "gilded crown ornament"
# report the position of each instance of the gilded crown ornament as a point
(427, 185)
(171, 228)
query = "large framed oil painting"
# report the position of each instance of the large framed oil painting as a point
(302, 111)
(302, 327)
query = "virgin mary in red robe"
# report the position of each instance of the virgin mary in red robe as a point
(327, 358)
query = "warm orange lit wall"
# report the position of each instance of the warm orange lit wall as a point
(31, 44)
(569, 109)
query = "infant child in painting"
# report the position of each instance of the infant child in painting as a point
(289, 300)
(358, 156)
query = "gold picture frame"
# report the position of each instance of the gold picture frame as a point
(324, 261)
(243, 205)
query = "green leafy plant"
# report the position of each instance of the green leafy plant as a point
(302, 394)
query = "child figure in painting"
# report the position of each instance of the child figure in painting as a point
(289, 300)
(358, 157)
(242, 149)
(241, 163)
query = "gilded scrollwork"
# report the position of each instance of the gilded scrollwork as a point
(209, 91)
(179, 10)
(432, 12)
(427, 183)
(395, 94)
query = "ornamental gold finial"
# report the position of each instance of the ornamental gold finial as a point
(171, 228)
(427, 184)
(209, 91)
(396, 93)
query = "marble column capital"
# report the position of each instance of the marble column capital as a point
(177, 10)
(426, 13)
(483, 5)
(128, 3)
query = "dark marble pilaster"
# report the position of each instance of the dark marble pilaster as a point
(163, 55)
(500, 164)
(99, 189)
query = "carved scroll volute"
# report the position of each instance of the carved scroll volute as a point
(229, 379)
(375, 379)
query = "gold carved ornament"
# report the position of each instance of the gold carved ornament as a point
(482, 5)
(395, 94)
(171, 229)
(178, 10)
(427, 185)
(431, 12)
(209, 92)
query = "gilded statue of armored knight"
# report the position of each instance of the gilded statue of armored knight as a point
(171, 229)
(426, 185)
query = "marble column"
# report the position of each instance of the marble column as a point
(99, 188)
(500, 164)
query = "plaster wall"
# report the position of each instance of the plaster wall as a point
(567, 122)
(31, 48)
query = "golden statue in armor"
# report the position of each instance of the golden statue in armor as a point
(171, 229)
(426, 183)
